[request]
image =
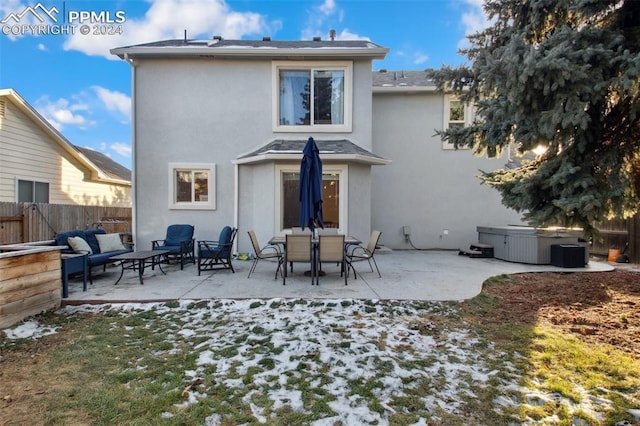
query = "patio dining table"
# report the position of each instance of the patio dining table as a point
(315, 241)
(280, 239)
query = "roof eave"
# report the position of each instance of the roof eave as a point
(274, 156)
(404, 89)
(209, 52)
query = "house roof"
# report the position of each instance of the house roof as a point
(110, 168)
(266, 48)
(97, 173)
(402, 81)
(340, 150)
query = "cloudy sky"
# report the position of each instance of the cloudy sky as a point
(85, 92)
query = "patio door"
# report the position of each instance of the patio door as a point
(333, 197)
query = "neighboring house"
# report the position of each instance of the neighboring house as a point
(38, 164)
(219, 127)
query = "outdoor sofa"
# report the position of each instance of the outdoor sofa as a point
(96, 243)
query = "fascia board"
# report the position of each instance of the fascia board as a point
(274, 157)
(265, 52)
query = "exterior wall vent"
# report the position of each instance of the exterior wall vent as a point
(3, 106)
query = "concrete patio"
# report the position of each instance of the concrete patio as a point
(406, 275)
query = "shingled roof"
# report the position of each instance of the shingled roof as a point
(265, 48)
(341, 149)
(384, 80)
(109, 167)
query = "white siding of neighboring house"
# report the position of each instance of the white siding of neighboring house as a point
(426, 187)
(27, 152)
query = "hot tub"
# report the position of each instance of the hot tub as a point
(525, 244)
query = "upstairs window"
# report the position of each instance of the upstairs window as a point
(456, 114)
(312, 97)
(32, 192)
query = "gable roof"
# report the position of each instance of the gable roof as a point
(258, 49)
(282, 149)
(108, 166)
(97, 173)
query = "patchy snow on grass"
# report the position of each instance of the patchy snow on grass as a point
(336, 361)
(358, 352)
(30, 329)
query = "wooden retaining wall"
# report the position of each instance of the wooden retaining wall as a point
(30, 282)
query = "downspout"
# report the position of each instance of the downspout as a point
(134, 193)
(236, 200)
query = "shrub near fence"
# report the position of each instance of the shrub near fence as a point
(28, 222)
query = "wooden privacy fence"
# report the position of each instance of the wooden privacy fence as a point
(28, 222)
(617, 234)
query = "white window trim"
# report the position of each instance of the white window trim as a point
(468, 118)
(29, 179)
(341, 169)
(346, 66)
(194, 205)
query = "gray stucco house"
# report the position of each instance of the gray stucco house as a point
(219, 127)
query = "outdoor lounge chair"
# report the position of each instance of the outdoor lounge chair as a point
(213, 255)
(359, 253)
(180, 243)
(268, 252)
(297, 249)
(331, 249)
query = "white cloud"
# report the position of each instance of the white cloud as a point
(166, 19)
(328, 7)
(42, 47)
(323, 18)
(122, 149)
(420, 58)
(114, 100)
(61, 112)
(11, 8)
(473, 20)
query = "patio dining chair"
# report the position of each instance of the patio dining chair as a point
(213, 255)
(358, 253)
(331, 249)
(180, 243)
(297, 249)
(270, 252)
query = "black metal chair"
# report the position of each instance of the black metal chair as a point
(180, 243)
(213, 255)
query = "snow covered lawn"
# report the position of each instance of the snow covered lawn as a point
(321, 362)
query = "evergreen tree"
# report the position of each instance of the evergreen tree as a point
(564, 75)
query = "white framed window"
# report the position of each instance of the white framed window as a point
(456, 114)
(192, 186)
(312, 96)
(334, 196)
(32, 191)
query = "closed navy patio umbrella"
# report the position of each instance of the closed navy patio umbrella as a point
(311, 187)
